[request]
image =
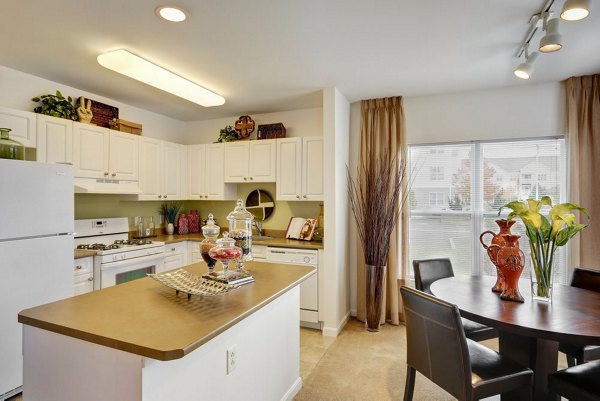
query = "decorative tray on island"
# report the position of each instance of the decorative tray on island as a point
(184, 281)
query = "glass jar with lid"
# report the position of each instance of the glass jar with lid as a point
(225, 252)
(210, 231)
(10, 149)
(240, 229)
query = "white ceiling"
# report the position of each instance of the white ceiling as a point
(273, 55)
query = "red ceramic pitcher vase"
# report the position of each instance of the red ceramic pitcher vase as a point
(510, 260)
(497, 239)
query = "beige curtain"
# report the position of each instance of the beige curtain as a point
(382, 127)
(583, 135)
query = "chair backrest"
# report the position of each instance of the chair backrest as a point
(436, 342)
(586, 278)
(430, 270)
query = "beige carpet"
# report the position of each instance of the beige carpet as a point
(358, 365)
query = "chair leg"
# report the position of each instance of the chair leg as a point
(410, 383)
(571, 361)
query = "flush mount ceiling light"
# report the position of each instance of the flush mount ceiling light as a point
(135, 67)
(170, 13)
(552, 40)
(524, 70)
(575, 10)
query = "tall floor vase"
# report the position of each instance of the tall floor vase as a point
(375, 280)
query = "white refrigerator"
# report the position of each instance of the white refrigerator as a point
(36, 251)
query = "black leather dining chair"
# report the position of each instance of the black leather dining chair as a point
(430, 270)
(438, 348)
(577, 354)
(577, 383)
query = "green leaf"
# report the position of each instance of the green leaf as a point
(567, 233)
(35, 99)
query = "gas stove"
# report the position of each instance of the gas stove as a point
(118, 259)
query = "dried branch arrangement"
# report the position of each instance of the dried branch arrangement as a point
(376, 199)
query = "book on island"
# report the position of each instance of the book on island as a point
(233, 277)
(301, 228)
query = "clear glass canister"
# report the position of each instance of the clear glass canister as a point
(225, 252)
(240, 229)
(10, 149)
(210, 231)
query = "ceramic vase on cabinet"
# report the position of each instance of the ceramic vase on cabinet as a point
(511, 260)
(497, 239)
(170, 229)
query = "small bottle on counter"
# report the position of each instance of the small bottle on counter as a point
(210, 231)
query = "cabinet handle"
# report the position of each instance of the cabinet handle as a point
(159, 196)
(251, 178)
(114, 174)
(206, 196)
(78, 267)
(297, 196)
(106, 173)
(90, 279)
(165, 196)
(304, 196)
(173, 249)
(245, 179)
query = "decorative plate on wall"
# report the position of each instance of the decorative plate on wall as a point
(260, 203)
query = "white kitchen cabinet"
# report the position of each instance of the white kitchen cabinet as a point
(175, 255)
(205, 173)
(251, 161)
(194, 256)
(22, 125)
(83, 275)
(102, 153)
(54, 140)
(300, 169)
(163, 170)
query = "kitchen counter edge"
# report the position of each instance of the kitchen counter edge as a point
(275, 242)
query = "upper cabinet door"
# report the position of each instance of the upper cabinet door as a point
(22, 125)
(236, 162)
(215, 186)
(150, 164)
(54, 140)
(123, 156)
(197, 171)
(90, 151)
(289, 169)
(263, 156)
(173, 157)
(312, 168)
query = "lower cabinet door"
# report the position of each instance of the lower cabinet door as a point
(83, 284)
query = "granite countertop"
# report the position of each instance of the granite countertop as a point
(147, 318)
(83, 253)
(275, 242)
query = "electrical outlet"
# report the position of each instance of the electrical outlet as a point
(231, 359)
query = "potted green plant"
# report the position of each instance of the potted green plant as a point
(56, 105)
(227, 134)
(545, 235)
(170, 210)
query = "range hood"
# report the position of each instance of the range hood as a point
(106, 186)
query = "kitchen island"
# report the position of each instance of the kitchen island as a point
(141, 341)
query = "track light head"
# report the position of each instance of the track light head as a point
(575, 10)
(552, 41)
(524, 70)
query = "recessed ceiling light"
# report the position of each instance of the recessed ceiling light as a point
(171, 13)
(135, 67)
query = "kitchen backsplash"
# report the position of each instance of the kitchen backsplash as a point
(90, 206)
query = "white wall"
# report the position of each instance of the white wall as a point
(17, 88)
(304, 122)
(513, 112)
(336, 117)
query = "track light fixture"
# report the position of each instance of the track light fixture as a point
(524, 70)
(575, 10)
(552, 40)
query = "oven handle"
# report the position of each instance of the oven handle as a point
(126, 262)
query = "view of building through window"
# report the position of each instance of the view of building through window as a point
(457, 190)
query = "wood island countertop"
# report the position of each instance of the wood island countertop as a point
(146, 318)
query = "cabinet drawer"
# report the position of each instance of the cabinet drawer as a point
(83, 266)
(175, 249)
(83, 284)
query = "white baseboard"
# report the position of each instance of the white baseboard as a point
(291, 393)
(335, 331)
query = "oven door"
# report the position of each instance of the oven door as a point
(122, 271)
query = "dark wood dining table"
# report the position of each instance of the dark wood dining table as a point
(529, 332)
